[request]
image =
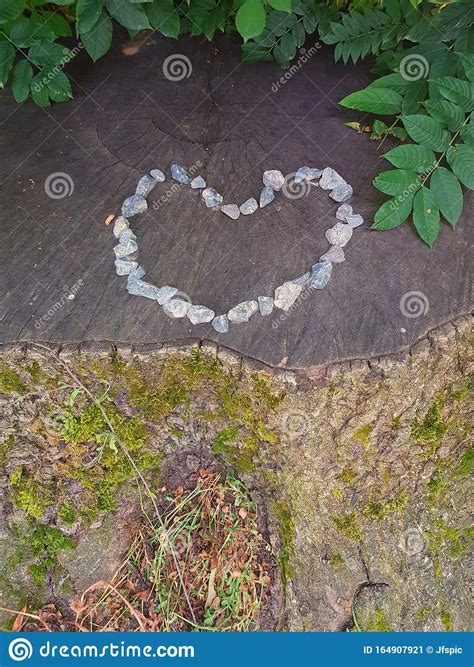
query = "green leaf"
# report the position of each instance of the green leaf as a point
(251, 52)
(456, 90)
(250, 19)
(467, 135)
(7, 56)
(411, 156)
(57, 24)
(426, 216)
(59, 87)
(467, 61)
(374, 100)
(445, 112)
(128, 14)
(282, 5)
(397, 181)
(39, 91)
(49, 53)
(10, 9)
(447, 193)
(461, 160)
(87, 14)
(21, 79)
(393, 213)
(27, 33)
(395, 81)
(427, 132)
(164, 17)
(97, 41)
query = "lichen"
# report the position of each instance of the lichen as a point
(362, 434)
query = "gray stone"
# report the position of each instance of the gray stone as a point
(221, 323)
(286, 295)
(266, 196)
(198, 183)
(313, 174)
(355, 220)
(320, 275)
(179, 174)
(274, 179)
(140, 288)
(301, 175)
(265, 304)
(343, 212)
(165, 294)
(211, 197)
(341, 192)
(136, 274)
(242, 312)
(176, 308)
(134, 205)
(158, 175)
(145, 186)
(120, 225)
(200, 314)
(249, 206)
(127, 235)
(124, 266)
(335, 254)
(302, 280)
(339, 235)
(123, 249)
(330, 179)
(232, 210)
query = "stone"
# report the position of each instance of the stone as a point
(355, 220)
(134, 205)
(249, 206)
(176, 308)
(158, 175)
(274, 179)
(286, 295)
(232, 210)
(301, 175)
(120, 225)
(165, 294)
(313, 174)
(242, 312)
(136, 274)
(123, 249)
(200, 314)
(320, 275)
(127, 235)
(302, 280)
(342, 192)
(211, 197)
(339, 235)
(266, 196)
(335, 254)
(343, 212)
(198, 183)
(140, 288)
(221, 323)
(265, 304)
(124, 266)
(330, 179)
(145, 186)
(179, 173)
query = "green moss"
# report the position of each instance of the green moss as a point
(362, 434)
(446, 620)
(348, 476)
(437, 569)
(379, 511)
(286, 531)
(466, 463)
(432, 428)
(336, 561)
(452, 540)
(5, 447)
(41, 544)
(348, 525)
(422, 614)
(67, 514)
(35, 372)
(29, 496)
(10, 381)
(378, 622)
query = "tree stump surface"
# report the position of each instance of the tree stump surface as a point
(127, 118)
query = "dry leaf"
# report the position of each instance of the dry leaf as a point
(243, 513)
(19, 620)
(109, 218)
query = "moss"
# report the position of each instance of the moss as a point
(6, 446)
(348, 476)
(286, 531)
(336, 561)
(35, 372)
(422, 614)
(444, 538)
(42, 544)
(437, 568)
(348, 525)
(362, 435)
(466, 463)
(378, 622)
(446, 620)
(378, 511)
(67, 514)
(10, 381)
(28, 495)
(432, 428)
